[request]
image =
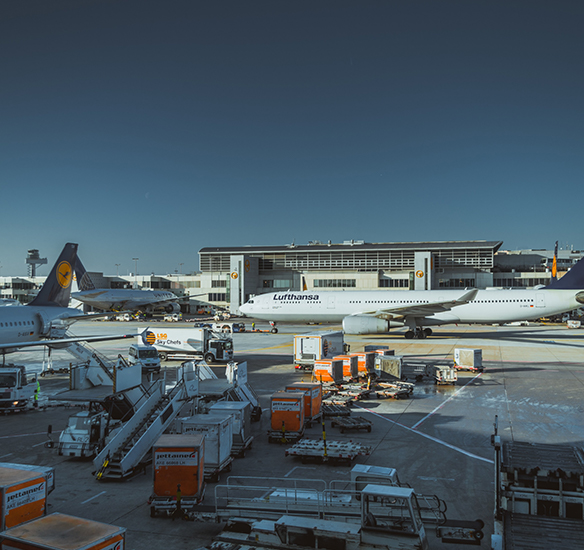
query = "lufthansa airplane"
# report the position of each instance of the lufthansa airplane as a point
(117, 299)
(376, 311)
(45, 320)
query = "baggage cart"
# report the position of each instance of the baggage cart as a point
(212, 472)
(351, 423)
(331, 409)
(316, 450)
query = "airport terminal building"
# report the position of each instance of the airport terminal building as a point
(228, 276)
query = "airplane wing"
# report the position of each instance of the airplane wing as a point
(421, 310)
(58, 342)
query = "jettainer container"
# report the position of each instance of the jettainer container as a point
(350, 366)
(241, 413)
(328, 370)
(178, 465)
(312, 399)
(218, 432)
(365, 362)
(317, 345)
(287, 411)
(23, 496)
(468, 359)
(63, 532)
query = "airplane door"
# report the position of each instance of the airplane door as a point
(540, 299)
(331, 302)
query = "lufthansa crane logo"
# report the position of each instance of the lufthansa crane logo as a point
(64, 274)
(247, 266)
(419, 273)
(234, 275)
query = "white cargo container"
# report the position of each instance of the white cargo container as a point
(317, 345)
(218, 432)
(241, 413)
(468, 359)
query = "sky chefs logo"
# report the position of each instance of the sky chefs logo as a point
(295, 297)
(64, 274)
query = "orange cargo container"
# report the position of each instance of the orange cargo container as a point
(23, 496)
(63, 532)
(287, 410)
(365, 362)
(178, 459)
(328, 370)
(350, 366)
(312, 397)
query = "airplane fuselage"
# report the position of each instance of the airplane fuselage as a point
(489, 306)
(124, 298)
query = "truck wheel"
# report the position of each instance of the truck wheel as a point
(209, 358)
(163, 356)
(274, 331)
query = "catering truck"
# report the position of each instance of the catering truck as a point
(16, 388)
(317, 345)
(176, 343)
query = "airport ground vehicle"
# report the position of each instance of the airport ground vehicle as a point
(178, 342)
(317, 345)
(146, 355)
(85, 434)
(228, 327)
(16, 388)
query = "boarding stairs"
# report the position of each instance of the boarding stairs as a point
(94, 368)
(127, 452)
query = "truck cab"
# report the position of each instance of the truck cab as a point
(16, 388)
(145, 354)
(220, 348)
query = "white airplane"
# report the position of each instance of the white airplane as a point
(376, 311)
(45, 320)
(118, 299)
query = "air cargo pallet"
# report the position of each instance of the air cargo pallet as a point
(212, 474)
(238, 450)
(351, 423)
(329, 409)
(314, 450)
(278, 436)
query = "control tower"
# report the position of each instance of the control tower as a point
(33, 259)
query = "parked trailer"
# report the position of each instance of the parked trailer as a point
(325, 451)
(178, 467)
(314, 346)
(63, 532)
(351, 423)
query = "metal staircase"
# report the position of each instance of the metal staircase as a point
(127, 452)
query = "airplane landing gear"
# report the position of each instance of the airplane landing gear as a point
(274, 329)
(420, 333)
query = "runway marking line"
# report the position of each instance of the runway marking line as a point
(90, 499)
(436, 440)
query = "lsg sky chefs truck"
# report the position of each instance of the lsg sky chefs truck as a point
(176, 343)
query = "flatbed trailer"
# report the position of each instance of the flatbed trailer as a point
(238, 449)
(332, 409)
(318, 450)
(213, 473)
(351, 423)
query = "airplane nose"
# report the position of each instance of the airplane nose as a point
(580, 297)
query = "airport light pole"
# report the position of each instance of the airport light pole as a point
(135, 272)
(117, 269)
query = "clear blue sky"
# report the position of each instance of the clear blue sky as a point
(153, 129)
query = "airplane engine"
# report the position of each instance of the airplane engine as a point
(172, 308)
(365, 324)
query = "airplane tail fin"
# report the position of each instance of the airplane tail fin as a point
(573, 280)
(555, 264)
(84, 281)
(57, 288)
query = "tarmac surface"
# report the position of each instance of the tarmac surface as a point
(438, 440)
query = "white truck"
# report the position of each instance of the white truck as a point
(146, 355)
(16, 388)
(175, 343)
(317, 345)
(228, 327)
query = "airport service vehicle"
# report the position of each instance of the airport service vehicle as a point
(228, 327)
(16, 388)
(85, 434)
(317, 345)
(146, 355)
(179, 342)
(377, 311)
